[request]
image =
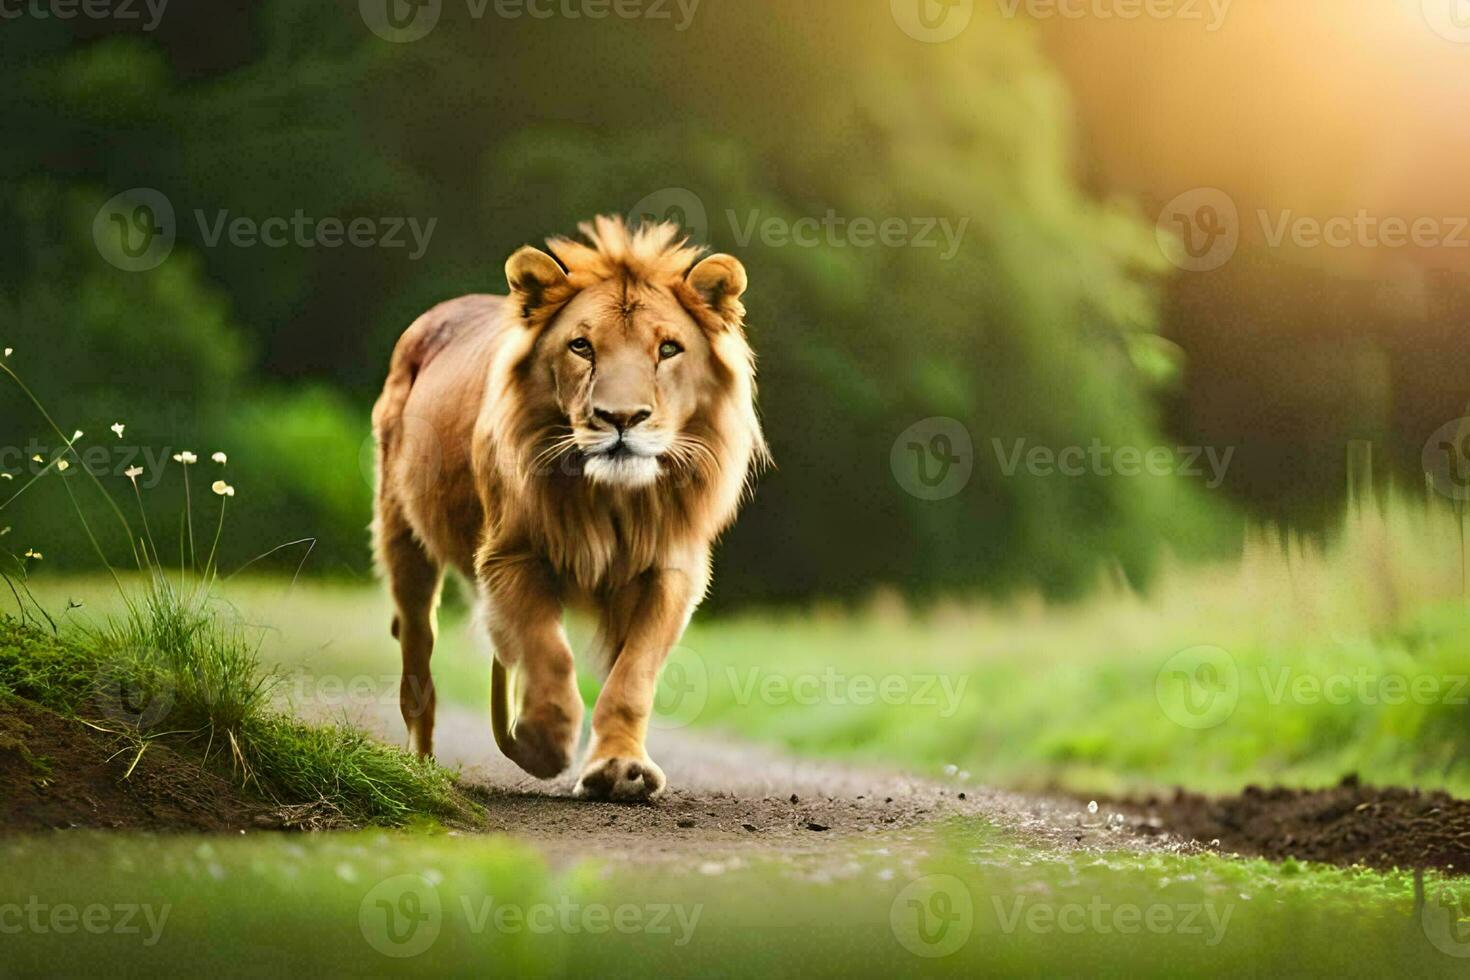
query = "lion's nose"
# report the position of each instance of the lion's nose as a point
(623, 421)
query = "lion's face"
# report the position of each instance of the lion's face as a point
(629, 369)
(626, 381)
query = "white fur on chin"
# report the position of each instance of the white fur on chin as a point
(622, 471)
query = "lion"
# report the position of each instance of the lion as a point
(578, 444)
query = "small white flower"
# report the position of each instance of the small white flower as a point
(4, 531)
(118, 428)
(76, 435)
(220, 458)
(223, 489)
(133, 472)
(185, 457)
(37, 458)
(62, 466)
(9, 351)
(33, 553)
(6, 476)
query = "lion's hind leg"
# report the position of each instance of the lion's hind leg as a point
(414, 580)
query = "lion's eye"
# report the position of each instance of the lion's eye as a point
(668, 349)
(582, 347)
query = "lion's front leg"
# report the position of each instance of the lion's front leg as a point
(618, 766)
(525, 625)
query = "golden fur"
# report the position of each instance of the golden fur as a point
(581, 442)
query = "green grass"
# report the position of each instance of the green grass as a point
(189, 675)
(1352, 659)
(266, 904)
(1391, 707)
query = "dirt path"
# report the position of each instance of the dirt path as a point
(727, 799)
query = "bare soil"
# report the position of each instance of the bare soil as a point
(727, 798)
(1346, 824)
(57, 773)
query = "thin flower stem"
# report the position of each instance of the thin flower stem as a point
(27, 485)
(189, 517)
(58, 430)
(93, 538)
(25, 589)
(214, 548)
(183, 561)
(143, 512)
(309, 542)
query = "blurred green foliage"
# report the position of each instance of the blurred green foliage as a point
(1040, 327)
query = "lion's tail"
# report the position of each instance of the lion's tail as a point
(403, 371)
(500, 720)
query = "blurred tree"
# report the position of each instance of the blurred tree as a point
(1032, 320)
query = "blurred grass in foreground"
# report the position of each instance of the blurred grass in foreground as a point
(374, 904)
(1317, 662)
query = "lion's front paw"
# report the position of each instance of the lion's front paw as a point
(621, 778)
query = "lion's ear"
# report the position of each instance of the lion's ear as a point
(720, 281)
(533, 274)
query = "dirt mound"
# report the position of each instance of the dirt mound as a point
(57, 773)
(1345, 825)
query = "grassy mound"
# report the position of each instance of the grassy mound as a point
(177, 673)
